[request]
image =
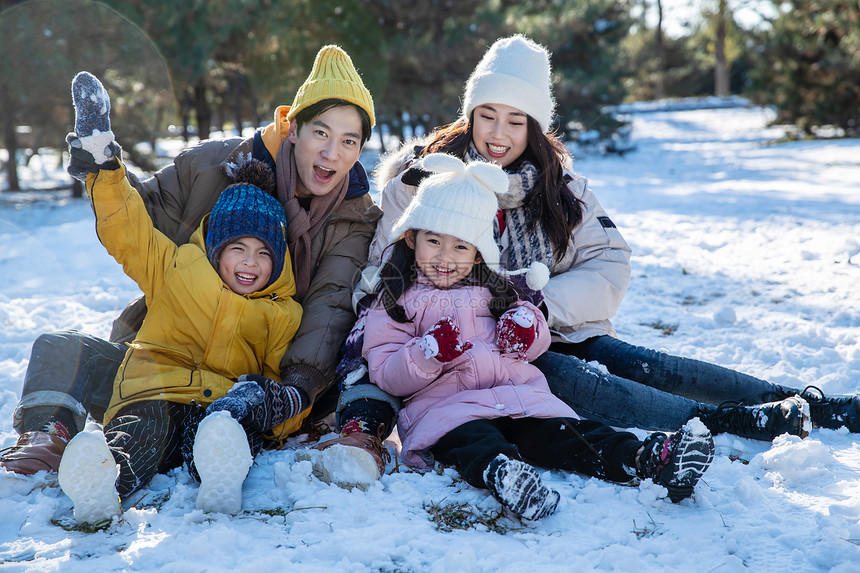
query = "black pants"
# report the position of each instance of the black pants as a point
(155, 436)
(582, 446)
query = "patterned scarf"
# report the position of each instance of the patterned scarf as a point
(520, 245)
(302, 226)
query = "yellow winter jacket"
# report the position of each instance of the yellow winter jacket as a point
(198, 336)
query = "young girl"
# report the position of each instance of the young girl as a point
(220, 318)
(449, 335)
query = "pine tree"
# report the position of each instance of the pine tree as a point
(810, 65)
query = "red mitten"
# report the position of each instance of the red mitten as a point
(443, 341)
(516, 331)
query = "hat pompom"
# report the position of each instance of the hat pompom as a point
(258, 174)
(537, 276)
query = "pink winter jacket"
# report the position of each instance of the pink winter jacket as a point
(483, 383)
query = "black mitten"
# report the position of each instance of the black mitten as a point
(82, 161)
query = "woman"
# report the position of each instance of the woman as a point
(550, 215)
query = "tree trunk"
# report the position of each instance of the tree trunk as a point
(659, 55)
(77, 189)
(721, 67)
(252, 98)
(382, 150)
(186, 114)
(202, 110)
(236, 83)
(11, 144)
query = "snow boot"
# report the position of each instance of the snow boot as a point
(517, 486)
(222, 457)
(833, 412)
(87, 474)
(356, 459)
(677, 462)
(760, 422)
(36, 451)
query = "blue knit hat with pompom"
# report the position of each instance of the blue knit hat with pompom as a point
(248, 209)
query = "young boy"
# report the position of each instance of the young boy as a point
(219, 308)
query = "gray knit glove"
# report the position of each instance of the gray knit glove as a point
(280, 402)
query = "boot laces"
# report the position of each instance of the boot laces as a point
(734, 414)
(815, 395)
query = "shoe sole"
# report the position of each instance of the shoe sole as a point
(87, 474)
(222, 458)
(344, 466)
(692, 456)
(520, 489)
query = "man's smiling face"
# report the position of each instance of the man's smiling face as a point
(325, 149)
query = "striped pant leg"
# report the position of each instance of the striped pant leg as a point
(145, 439)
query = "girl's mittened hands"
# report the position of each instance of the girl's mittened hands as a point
(516, 331)
(443, 342)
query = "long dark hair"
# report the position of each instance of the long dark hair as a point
(399, 272)
(550, 202)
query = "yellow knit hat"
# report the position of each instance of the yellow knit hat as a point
(333, 77)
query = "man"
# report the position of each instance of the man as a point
(313, 146)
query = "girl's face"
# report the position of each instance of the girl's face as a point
(499, 132)
(444, 259)
(245, 265)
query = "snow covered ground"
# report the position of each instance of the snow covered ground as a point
(750, 251)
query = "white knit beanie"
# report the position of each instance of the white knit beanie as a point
(459, 199)
(515, 71)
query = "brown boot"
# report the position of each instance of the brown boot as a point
(367, 443)
(34, 452)
(356, 459)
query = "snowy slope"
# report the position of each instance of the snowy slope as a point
(752, 250)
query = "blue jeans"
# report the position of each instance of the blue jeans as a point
(640, 387)
(69, 371)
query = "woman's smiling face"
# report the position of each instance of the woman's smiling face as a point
(499, 132)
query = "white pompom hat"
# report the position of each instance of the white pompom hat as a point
(459, 199)
(514, 71)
